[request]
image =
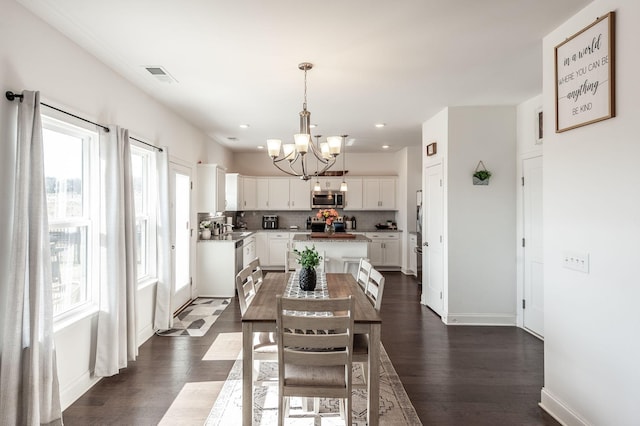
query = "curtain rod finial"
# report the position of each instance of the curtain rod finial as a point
(12, 96)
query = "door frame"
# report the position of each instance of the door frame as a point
(520, 270)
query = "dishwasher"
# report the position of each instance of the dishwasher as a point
(239, 260)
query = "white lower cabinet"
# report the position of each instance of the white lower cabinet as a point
(262, 247)
(278, 246)
(248, 250)
(215, 268)
(413, 261)
(384, 248)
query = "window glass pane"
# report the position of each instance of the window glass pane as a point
(63, 174)
(68, 267)
(139, 172)
(141, 242)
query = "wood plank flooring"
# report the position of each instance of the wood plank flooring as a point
(454, 375)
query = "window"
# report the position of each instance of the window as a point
(143, 170)
(70, 164)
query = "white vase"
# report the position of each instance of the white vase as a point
(206, 234)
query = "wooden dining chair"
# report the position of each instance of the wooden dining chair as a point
(314, 351)
(362, 277)
(265, 347)
(374, 291)
(256, 273)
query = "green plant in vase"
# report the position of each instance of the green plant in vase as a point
(309, 259)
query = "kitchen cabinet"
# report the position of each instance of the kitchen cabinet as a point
(384, 248)
(379, 193)
(262, 193)
(211, 188)
(216, 268)
(248, 250)
(278, 194)
(299, 194)
(327, 184)
(262, 247)
(278, 246)
(240, 192)
(353, 197)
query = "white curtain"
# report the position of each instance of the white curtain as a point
(117, 341)
(29, 389)
(163, 319)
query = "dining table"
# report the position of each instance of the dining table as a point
(261, 316)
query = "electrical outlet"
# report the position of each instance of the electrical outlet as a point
(576, 261)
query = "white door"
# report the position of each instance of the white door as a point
(533, 312)
(180, 187)
(433, 240)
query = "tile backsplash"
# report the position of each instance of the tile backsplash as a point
(365, 220)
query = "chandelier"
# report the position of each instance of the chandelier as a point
(294, 155)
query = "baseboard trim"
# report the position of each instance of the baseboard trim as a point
(75, 390)
(558, 410)
(480, 319)
(145, 334)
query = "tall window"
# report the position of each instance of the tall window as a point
(143, 169)
(69, 157)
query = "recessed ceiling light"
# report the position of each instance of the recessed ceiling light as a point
(260, 146)
(232, 138)
(385, 146)
(380, 125)
(244, 126)
(313, 126)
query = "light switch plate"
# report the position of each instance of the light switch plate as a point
(576, 261)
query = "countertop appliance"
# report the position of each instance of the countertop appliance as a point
(270, 221)
(327, 199)
(317, 225)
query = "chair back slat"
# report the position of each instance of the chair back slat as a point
(362, 277)
(246, 289)
(375, 288)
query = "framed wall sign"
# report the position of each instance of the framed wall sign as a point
(585, 77)
(432, 148)
(538, 126)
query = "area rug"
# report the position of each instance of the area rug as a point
(395, 407)
(196, 319)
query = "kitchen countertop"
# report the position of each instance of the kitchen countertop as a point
(230, 236)
(306, 231)
(307, 237)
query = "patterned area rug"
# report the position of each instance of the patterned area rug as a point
(196, 319)
(395, 407)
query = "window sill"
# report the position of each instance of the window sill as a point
(146, 282)
(74, 317)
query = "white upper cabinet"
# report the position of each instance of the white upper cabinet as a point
(379, 193)
(278, 194)
(249, 193)
(299, 194)
(233, 192)
(353, 197)
(327, 184)
(211, 188)
(262, 193)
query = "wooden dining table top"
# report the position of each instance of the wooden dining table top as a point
(263, 306)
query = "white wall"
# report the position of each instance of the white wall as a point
(482, 218)
(591, 205)
(259, 164)
(526, 147)
(480, 221)
(34, 56)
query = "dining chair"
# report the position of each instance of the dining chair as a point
(314, 351)
(257, 274)
(374, 291)
(362, 277)
(264, 342)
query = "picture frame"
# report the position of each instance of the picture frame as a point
(432, 149)
(538, 126)
(585, 75)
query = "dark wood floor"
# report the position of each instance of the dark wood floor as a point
(454, 375)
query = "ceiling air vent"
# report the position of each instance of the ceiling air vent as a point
(160, 74)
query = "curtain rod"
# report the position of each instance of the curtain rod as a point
(12, 96)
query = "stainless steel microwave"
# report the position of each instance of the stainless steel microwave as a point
(327, 199)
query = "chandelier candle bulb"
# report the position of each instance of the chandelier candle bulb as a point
(273, 147)
(289, 150)
(302, 142)
(334, 144)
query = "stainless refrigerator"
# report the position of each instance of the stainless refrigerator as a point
(418, 248)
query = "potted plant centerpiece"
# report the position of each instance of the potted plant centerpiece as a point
(309, 259)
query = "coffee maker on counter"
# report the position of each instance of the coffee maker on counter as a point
(270, 221)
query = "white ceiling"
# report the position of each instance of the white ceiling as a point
(395, 62)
